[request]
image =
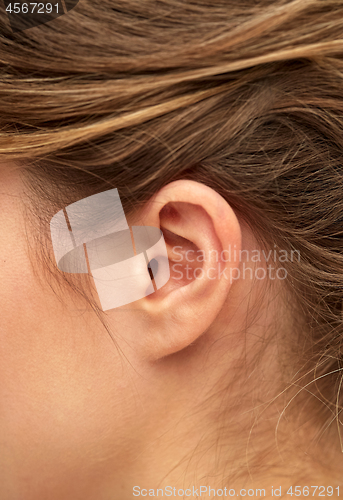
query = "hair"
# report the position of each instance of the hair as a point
(245, 97)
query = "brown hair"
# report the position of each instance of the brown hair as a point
(246, 97)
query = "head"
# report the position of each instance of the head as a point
(221, 124)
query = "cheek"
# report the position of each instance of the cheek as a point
(67, 414)
(64, 404)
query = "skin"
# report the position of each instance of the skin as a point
(173, 400)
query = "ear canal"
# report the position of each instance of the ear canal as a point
(153, 268)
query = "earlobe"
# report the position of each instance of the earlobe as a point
(198, 225)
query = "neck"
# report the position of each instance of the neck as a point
(226, 446)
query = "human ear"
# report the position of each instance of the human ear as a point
(199, 227)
